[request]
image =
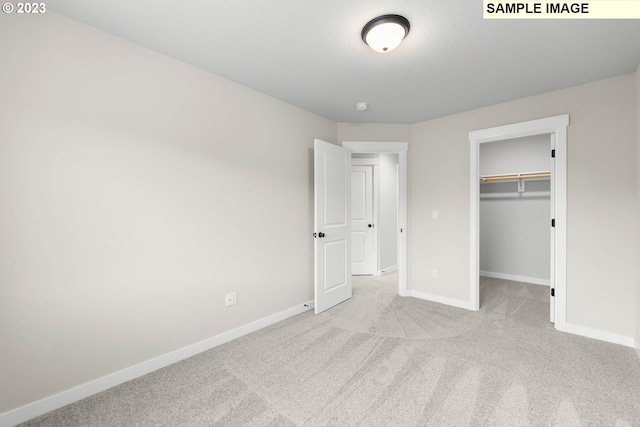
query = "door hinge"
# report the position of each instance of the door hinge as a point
(553, 222)
(553, 292)
(553, 153)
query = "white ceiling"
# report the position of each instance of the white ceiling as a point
(309, 52)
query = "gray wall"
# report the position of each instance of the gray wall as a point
(514, 227)
(388, 211)
(373, 132)
(136, 191)
(131, 185)
(602, 195)
(528, 154)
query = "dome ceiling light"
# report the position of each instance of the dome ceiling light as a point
(386, 32)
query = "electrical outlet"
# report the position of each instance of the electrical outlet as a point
(230, 299)
(434, 214)
(434, 273)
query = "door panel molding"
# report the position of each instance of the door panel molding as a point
(363, 232)
(332, 225)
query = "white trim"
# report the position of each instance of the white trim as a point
(599, 335)
(556, 126)
(364, 161)
(513, 277)
(552, 233)
(440, 299)
(376, 218)
(517, 130)
(399, 148)
(50, 403)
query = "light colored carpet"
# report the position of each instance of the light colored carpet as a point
(383, 360)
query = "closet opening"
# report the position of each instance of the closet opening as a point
(516, 239)
(555, 129)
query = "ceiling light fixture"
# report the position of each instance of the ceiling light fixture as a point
(386, 32)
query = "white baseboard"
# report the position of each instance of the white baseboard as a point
(40, 407)
(440, 299)
(513, 277)
(599, 335)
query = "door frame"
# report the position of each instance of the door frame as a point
(399, 148)
(557, 126)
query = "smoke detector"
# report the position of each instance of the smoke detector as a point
(361, 106)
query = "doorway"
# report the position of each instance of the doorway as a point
(400, 149)
(374, 213)
(556, 127)
(515, 212)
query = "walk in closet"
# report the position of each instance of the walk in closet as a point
(515, 209)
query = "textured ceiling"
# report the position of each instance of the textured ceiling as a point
(309, 52)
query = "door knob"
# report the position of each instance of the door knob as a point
(369, 225)
(321, 234)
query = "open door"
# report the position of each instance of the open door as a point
(332, 225)
(552, 252)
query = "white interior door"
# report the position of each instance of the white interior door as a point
(332, 225)
(552, 267)
(363, 256)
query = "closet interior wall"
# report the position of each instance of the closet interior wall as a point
(514, 225)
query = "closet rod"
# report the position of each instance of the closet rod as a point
(519, 176)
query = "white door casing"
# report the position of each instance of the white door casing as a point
(332, 225)
(401, 149)
(557, 127)
(363, 255)
(552, 232)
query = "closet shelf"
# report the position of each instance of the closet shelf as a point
(520, 177)
(528, 175)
